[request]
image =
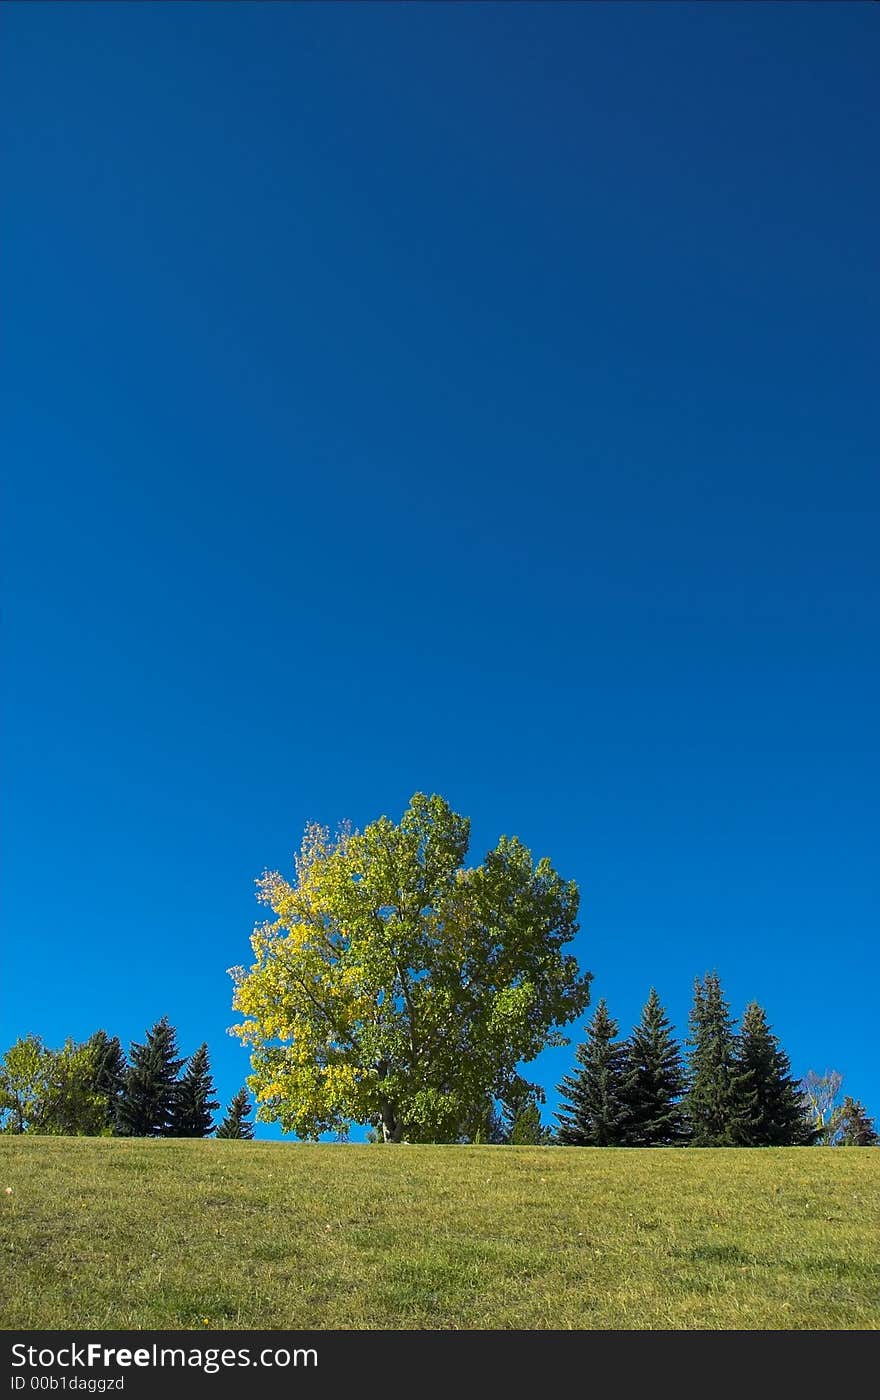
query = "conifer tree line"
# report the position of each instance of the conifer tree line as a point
(92, 1089)
(730, 1088)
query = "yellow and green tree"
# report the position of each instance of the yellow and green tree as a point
(399, 988)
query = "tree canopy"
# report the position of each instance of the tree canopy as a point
(23, 1084)
(397, 987)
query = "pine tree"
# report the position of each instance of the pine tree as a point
(520, 1117)
(148, 1093)
(593, 1111)
(773, 1104)
(853, 1126)
(489, 1129)
(110, 1071)
(714, 1102)
(527, 1130)
(192, 1106)
(234, 1124)
(653, 1081)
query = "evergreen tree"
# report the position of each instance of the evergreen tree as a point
(773, 1105)
(526, 1128)
(853, 1127)
(234, 1124)
(593, 1112)
(192, 1105)
(715, 1100)
(521, 1124)
(489, 1130)
(653, 1081)
(149, 1090)
(110, 1071)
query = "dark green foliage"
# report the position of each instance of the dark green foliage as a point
(234, 1124)
(520, 1117)
(148, 1093)
(192, 1106)
(853, 1126)
(110, 1071)
(773, 1108)
(488, 1132)
(526, 1128)
(593, 1112)
(653, 1081)
(492, 1131)
(715, 1102)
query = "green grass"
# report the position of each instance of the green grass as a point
(152, 1234)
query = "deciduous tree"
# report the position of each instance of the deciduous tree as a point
(822, 1100)
(397, 987)
(23, 1082)
(72, 1104)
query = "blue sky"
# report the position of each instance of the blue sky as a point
(476, 399)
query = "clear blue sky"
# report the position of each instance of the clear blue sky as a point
(478, 399)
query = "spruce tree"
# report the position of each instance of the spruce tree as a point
(520, 1117)
(110, 1071)
(192, 1106)
(715, 1102)
(234, 1124)
(853, 1126)
(593, 1112)
(148, 1093)
(527, 1130)
(653, 1081)
(773, 1109)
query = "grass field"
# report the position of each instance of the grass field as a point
(172, 1234)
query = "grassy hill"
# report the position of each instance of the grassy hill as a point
(173, 1234)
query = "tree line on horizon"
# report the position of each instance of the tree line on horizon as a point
(732, 1089)
(400, 989)
(91, 1089)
